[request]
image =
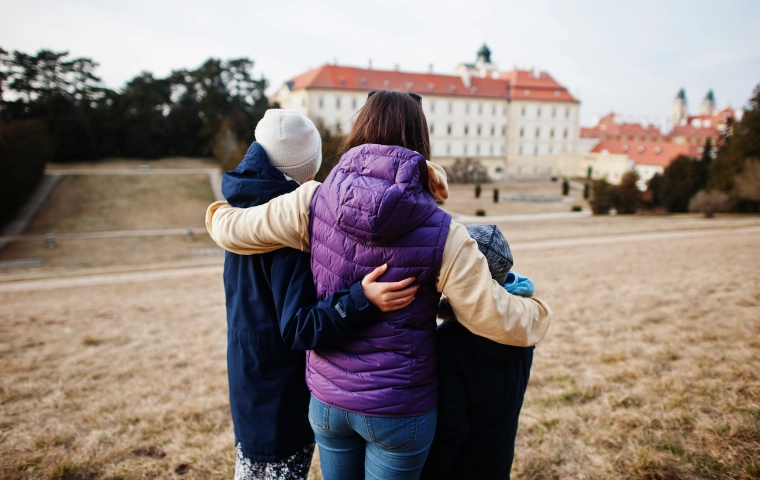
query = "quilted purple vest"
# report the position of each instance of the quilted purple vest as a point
(373, 209)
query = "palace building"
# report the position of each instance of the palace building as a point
(514, 123)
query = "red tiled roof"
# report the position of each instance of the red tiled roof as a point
(645, 153)
(610, 129)
(524, 85)
(689, 131)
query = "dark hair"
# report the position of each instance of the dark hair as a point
(390, 118)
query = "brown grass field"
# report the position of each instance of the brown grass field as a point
(651, 369)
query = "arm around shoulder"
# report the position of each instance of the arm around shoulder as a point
(283, 222)
(480, 303)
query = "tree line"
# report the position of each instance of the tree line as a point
(725, 178)
(55, 108)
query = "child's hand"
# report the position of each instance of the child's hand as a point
(388, 296)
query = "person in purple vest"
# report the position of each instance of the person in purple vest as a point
(374, 393)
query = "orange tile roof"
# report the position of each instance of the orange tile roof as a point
(644, 153)
(523, 85)
(611, 129)
(689, 131)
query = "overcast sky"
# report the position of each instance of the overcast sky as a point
(630, 57)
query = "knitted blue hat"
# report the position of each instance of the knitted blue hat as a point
(494, 246)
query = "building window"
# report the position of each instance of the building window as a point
(303, 102)
(550, 149)
(493, 110)
(432, 129)
(554, 112)
(503, 130)
(538, 112)
(432, 107)
(353, 103)
(466, 129)
(493, 130)
(564, 133)
(522, 132)
(522, 112)
(337, 103)
(448, 149)
(519, 150)
(467, 108)
(478, 130)
(321, 102)
(551, 133)
(480, 109)
(490, 150)
(538, 132)
(464, 149)
(477, 149)
(535, 151)
(448, 129)
(502, 149)
(504, 112)
(451, 107)
(567, 113)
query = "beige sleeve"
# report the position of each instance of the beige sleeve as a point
(437, 182)
(480, 303)
(283, 222)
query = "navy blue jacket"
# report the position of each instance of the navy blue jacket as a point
(272, 316)
(481, 386)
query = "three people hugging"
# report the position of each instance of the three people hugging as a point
(378, 385)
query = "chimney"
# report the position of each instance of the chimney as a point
(370, 64)
(335, 60)
(395, 67)
(430, 68)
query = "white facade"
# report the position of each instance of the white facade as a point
(517, 136)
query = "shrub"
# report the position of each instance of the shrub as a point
(25, 148)
(603, 197)
(747, 183)
(628, 198)
(709, 203)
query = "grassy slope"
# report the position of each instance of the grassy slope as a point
(92, 203)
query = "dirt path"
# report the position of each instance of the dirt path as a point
(179, 270)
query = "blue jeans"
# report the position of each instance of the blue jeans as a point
(356, 446)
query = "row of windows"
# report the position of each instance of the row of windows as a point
(538, 132)
(450, 108)
(536, 151)
(523, 111)
(491, 150)
(478, 130)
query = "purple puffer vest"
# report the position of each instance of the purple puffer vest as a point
(374, 208)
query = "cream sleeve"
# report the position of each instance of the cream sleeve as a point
(282, 222)
(482, 305)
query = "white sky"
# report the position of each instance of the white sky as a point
(630, 57)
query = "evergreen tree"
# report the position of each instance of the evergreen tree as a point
(741, 142)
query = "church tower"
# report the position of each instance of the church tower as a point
(707, 107)
(679, 112)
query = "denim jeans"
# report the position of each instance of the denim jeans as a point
(356, 446)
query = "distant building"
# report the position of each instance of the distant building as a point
(514, 123)
(649, 148)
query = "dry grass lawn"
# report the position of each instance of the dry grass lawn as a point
(94, 203)
(650, 370)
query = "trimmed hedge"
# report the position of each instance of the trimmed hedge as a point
(25, 147)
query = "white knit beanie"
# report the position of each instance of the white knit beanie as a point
(292, 143)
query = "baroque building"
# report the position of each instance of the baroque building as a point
(514, 123)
